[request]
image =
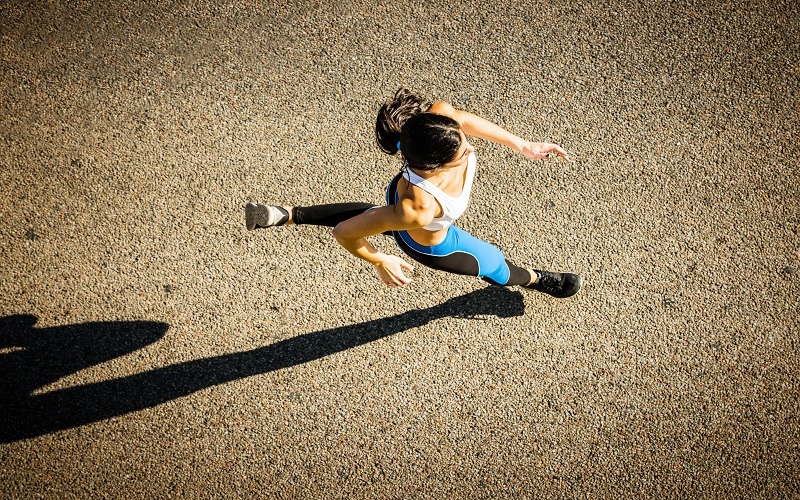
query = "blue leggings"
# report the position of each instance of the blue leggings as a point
(459, 253)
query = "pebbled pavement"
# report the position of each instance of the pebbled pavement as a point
(152, 347)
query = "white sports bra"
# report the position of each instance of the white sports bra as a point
(452, 207)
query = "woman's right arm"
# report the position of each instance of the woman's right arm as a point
(352, 235)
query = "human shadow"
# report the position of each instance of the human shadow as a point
(35, 357)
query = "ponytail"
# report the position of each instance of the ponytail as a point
(393, 115)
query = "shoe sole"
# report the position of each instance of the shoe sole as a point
(251, 210)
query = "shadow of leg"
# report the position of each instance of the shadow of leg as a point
(35, 415)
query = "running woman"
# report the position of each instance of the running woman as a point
(423, 201)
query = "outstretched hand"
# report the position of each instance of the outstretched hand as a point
(390, 270)
(541, 150)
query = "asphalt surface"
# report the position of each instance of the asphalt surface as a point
(151, 347)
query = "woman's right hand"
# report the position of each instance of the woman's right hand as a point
(390, 269)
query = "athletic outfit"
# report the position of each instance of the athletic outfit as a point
(459, 253)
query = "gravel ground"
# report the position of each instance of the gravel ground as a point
(152, 347)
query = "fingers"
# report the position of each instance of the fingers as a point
(392, 274)
(397, 281)
(548, 148)
(391, 282)
(560, 151)
(542, 150)
(401, 279)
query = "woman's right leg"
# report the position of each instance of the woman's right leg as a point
(257, 215)
(328, 215)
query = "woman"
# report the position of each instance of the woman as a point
(424, 199)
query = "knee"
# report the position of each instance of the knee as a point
(496, 272)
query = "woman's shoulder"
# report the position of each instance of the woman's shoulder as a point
(446, 109)
(417, 204)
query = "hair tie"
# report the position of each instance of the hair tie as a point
(398, 145)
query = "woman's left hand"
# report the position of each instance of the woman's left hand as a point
(540, 150)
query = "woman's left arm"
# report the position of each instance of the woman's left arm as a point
(476, 126)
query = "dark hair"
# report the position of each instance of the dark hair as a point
(430, 140)
(393, 115)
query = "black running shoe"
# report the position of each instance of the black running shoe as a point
(559, 285)
(256, 215)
